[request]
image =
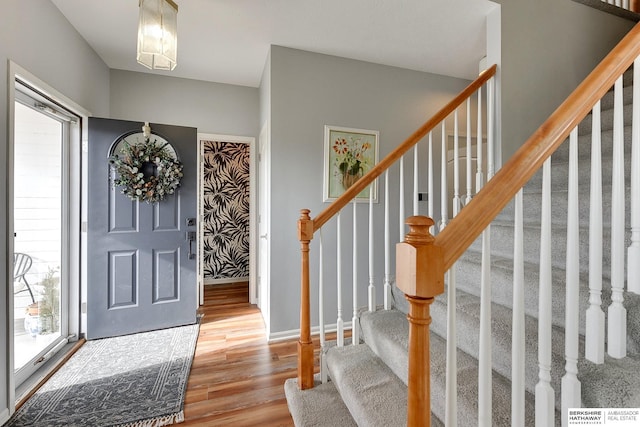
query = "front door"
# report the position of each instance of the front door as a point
(141, 256)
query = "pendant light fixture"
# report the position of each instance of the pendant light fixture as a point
(158, 34)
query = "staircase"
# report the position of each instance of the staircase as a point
(368, 382)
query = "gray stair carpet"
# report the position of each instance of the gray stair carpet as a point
(371, 391)
(382, 329)
(318, 406)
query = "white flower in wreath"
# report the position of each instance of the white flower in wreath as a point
(140, 178)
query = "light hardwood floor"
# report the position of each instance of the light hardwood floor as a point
(237, 378)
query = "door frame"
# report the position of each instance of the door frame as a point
(263, 157)
(253, 232)
(76, 219)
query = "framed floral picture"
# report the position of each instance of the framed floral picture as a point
(348, 155)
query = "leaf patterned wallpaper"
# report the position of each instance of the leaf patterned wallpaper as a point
(225, 210)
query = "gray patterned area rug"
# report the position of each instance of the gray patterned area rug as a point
(133, 380)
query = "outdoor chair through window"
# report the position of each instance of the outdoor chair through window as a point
(21, 265)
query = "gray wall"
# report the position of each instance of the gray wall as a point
(210, 107)
(548, 47)
(308, 91)
(35, 35)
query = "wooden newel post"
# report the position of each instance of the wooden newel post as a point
(420, 275)
(305, 346)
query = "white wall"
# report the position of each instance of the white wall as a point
(310, 90)
(210, 107)
(35, 35)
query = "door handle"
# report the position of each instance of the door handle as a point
(191, 237)
(263, 236)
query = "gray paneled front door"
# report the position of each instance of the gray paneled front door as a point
(140, 273)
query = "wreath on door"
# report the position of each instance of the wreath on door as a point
(147, 172)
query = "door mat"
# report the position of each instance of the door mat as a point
(132, 380)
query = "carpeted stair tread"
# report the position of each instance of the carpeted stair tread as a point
(381, 330)
(613, 384)
(374, 395)
(468, 280)
(320, 406)
(386, 332)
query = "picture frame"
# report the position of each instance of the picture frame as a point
(349, 153)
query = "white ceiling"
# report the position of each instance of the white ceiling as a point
(227, 41)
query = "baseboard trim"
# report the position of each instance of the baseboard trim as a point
(224, 281)
(295, 333)
(4, 416)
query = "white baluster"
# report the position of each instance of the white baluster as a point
(451, 385)
(401, 203)
(323, 361)
(491, 151)
(387, 245)
(443, 180)
(469, 156)
(339, 322)
(570, 384)
(456, 167)
(415, 180)
(430, 181)
(485, 357)
(479, 173)
(594, 338)
(372, 287)
(518, 330)
(633, 253)
(545, 396)
(355, 331)
(617, 314)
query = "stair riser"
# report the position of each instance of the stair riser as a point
(584, 146)
(502, 235)
(607, 112)
(606, 102)
(560, 176)
(532, 209)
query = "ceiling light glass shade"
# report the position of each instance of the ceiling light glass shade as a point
(158, 34)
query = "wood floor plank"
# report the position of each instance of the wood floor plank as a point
(237, 378)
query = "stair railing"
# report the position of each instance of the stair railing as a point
(308, 227)
(507, 184)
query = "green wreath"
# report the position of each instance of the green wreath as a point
(147, 172)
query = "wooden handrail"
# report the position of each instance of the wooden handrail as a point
(462, 230)
(401, 149)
